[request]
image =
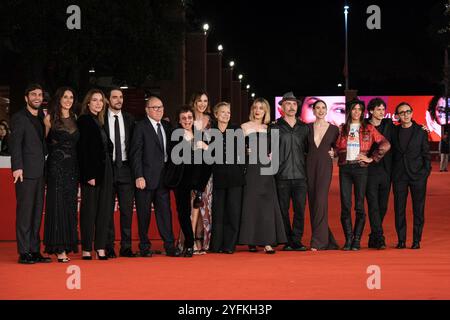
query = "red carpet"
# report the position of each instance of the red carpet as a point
(405, 274)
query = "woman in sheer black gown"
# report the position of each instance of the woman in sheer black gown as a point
(60, 228)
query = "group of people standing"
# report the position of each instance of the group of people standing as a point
(221, 204)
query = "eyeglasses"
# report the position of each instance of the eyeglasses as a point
(187, 118)
(406, 112)
(156, 108)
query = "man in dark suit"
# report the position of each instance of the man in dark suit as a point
(119, 126)
(149, 155)
(379, 178)
(411, 168)
(28, 151)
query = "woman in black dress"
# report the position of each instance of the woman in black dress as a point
(261, 221)
(319, 169)
(94, 155)
(60, 226)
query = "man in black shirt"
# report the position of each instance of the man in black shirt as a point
(291, 176)
(411, 168)
(379, 179)
(28, 151)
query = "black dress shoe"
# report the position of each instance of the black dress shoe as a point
(172, 252)
(401, 245)
(26, 258)
(415, 245)
(188, 252)
(147, 253)
(252, 249)
(298, 247)
(39, 258)
(99, 257)
(287, 247)
(111, 254)
(127, 253)
(228, 251)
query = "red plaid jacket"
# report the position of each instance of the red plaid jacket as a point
(367, 137)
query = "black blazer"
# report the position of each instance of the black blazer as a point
(147, 154)
(28, 149)
(413, 161)
(129, 123)
(92, 154)
(229, 175)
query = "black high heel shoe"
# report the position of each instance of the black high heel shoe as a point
(252, 249)
(99, 257)
(62, 260)
(269, 251)
(89, 257)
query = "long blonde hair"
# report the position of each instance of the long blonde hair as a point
(87, 99)
(266, 108)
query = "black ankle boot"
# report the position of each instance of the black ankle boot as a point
(356, 244)
(348, 243)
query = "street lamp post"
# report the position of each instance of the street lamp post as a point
(346, 48)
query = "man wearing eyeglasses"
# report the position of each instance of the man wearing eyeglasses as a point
(411, 168)
(149, 154)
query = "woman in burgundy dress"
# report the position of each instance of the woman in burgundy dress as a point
(319, 167)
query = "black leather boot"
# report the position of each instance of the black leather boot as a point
(348, 242)
(356, 244)
(347, 226)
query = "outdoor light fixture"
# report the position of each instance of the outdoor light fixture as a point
(248, 87)
(92, 70)
(253, 95)
(124, 86)
(240, 77)
(205, 28)
(231, 64)
(220, 48)
(339, 85)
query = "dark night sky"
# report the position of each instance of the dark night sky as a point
(299, 45)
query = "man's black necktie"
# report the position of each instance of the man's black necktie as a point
(160, 137)
(117, 144)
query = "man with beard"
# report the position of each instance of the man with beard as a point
(119, 126)
(291, 176)
(28, 151)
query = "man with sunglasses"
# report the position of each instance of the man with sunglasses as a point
(411, 168)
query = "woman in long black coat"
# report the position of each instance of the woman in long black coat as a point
(94, 156)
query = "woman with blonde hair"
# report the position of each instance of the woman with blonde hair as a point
(261, 221)
(94, 156)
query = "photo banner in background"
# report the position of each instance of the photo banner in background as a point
(431, 115)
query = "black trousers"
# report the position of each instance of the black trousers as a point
(184, 208)
(95, 212)
(352, 175)
(30, 204)
(418, 190)
(227, 207)
(377, 194)
(296, 190)
(160, 198)
(123, 188)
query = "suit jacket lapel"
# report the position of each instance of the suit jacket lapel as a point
(107, 124)
(28, 115)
